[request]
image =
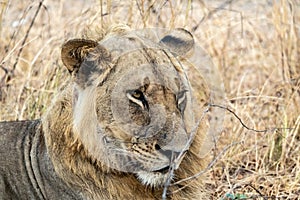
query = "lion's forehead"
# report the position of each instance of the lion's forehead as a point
(133, 68)
(122, 43)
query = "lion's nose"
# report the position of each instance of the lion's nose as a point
(171, 154)
(173, 142)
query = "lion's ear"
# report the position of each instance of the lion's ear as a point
(74, 51)
(179, 42)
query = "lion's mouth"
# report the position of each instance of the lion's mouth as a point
(163, 170)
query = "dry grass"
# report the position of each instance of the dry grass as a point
(255, 46)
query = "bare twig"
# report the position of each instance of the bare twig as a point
(243, 124)
(211, 164)
(141, 11)
(256, 190)
(181, 155)
(24, 41)
(210, 13)
(4, 69)
(170, 173)
(2, 10)
(168, 182)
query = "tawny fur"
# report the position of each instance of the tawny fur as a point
(70, 141)
(91, 176)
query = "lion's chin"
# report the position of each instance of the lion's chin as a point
(153, 179)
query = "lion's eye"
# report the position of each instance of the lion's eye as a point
(137, 94)
(181, 100)
(137, 97)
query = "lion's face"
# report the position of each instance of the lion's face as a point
(158, 133)
(132, 102)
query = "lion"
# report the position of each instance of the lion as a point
(126, 127)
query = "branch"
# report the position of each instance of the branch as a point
(24, 40)
(211, 164)
(181, 155)
(243, 124)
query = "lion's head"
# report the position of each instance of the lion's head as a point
(131, 108)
